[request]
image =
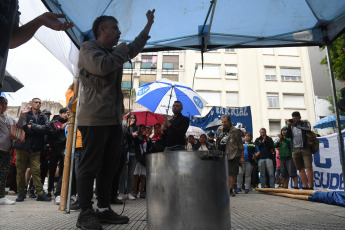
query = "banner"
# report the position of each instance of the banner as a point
(240, 116)
(327, 165)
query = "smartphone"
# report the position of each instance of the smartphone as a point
(291, 120)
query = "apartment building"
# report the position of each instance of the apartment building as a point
(273, 81)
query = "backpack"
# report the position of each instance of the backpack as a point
(312, 142)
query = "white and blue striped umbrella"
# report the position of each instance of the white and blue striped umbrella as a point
(159, 97)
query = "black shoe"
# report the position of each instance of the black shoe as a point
(44, 197)
(111, 217)
(142, 195)
(21, 197)
(75, 206)
(87, 220)
(32, 194)
(232, 193)
(115, 201)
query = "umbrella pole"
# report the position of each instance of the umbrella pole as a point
(336, 108)
(172, 88)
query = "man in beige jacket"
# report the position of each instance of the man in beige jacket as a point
(229, 141)
(100, 116)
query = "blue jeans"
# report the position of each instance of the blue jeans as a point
(174, 148)
(266, 164)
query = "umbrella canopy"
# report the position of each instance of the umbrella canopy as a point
(11, 83)
(160, 95)
(329, 122)
(147, 117)
(214, 124)
(194, 131)
(247, 23)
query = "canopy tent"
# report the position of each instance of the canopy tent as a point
(204, 25)
(246, 24)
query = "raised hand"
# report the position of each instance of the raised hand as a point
(150, 16)
(52, 21)
(24, 111)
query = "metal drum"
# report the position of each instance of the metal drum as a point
(187, 190)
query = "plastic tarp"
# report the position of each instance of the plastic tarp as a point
(235, 24)
(336, 198)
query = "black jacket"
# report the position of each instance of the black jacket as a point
(56, 136)
(137, 141)
(305, 127)
(269, 147)
(209, 146)
(175, 133)
(34, 136)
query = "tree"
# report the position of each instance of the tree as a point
(330, 100)
(338, 57)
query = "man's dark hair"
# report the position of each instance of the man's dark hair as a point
(203, 135)
(249, 134)
(63, 110)
(35, 98)
(190, 136)
(2, 97)
(296, 114)
(157, 124)
(227, 116)
(178, 102)
(263, 129)
(210, 134)
(100, 22)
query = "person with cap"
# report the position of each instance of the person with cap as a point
(47, 113)
(287, 166)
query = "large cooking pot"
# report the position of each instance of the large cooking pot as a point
(187, 190)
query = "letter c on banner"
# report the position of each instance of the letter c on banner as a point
(317, 162)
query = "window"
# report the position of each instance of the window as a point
(213, 98)
(229, 50)
(290, 74)
(146, 65)
(289, 51)
(232, 98)
(267, 51)
(231, 71)
(143, 83)
(270, 73)
(274, 128)
(273, 100)
(148, 61)
(293, 101)
(168, 65)
(126, 84)
(128, 65)
(209, 71)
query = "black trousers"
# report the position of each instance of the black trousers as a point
(56, 155)
(116, 180)
(100, 160)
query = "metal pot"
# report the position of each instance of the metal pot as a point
(187, 190)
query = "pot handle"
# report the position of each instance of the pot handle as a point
(212, 155)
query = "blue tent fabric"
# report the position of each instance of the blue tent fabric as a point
(329, 122)
(336, 198)
(235, 24)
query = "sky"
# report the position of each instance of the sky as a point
(41, 73)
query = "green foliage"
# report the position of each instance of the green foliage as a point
(329, 98)
(337, 57)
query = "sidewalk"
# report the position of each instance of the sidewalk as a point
(248, 211)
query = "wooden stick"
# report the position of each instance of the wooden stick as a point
(67, 163)
(294, 196)
(289, 191)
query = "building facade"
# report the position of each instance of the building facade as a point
(273, 81)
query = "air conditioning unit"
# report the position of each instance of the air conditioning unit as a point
(135, 74)
(153, 66)
(137, 59)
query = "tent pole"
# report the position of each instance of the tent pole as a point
(336, 108)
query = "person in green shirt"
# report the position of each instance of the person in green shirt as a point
(287, 166)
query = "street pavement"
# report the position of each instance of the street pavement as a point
(248, 211)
